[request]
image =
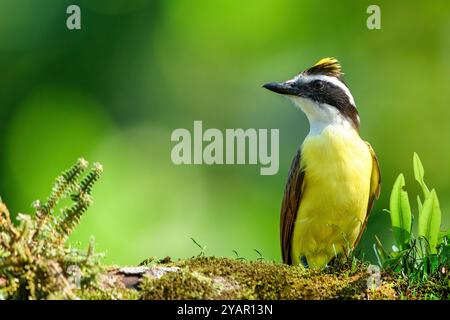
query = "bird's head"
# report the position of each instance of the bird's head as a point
(322, 95)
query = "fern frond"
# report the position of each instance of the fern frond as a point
(85, 186)
(71, 217)
(63, 184)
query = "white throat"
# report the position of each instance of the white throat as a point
(321, 116)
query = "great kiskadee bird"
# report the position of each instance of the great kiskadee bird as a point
(334, 176)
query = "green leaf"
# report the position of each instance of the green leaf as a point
(419, 172)
(430, 220)
(419, 203)
(380, 253)
(400, 212)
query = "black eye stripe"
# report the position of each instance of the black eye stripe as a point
(325, 92)
(332, 93)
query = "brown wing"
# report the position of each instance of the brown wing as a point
(289, 206)
(375, 188)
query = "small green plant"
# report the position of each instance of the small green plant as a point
(237, 256)
(35, 263)
(202, 248)
(260, 256)
(428, 254)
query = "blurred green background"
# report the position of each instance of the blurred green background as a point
(115, 90)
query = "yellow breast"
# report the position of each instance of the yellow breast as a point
(335, 195)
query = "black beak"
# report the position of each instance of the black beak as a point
(282, 88)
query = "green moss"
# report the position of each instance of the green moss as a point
(214, 278)
(178, 285)
(108, 294)
(223, 278)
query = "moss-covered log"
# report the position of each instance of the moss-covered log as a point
(224, 278)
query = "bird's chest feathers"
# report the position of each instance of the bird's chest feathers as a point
(338, 165)
(337, 161)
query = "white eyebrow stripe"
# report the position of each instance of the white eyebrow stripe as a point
(333, 80)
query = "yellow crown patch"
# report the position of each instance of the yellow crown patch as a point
(326, 66)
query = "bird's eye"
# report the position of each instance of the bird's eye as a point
(318, 84)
